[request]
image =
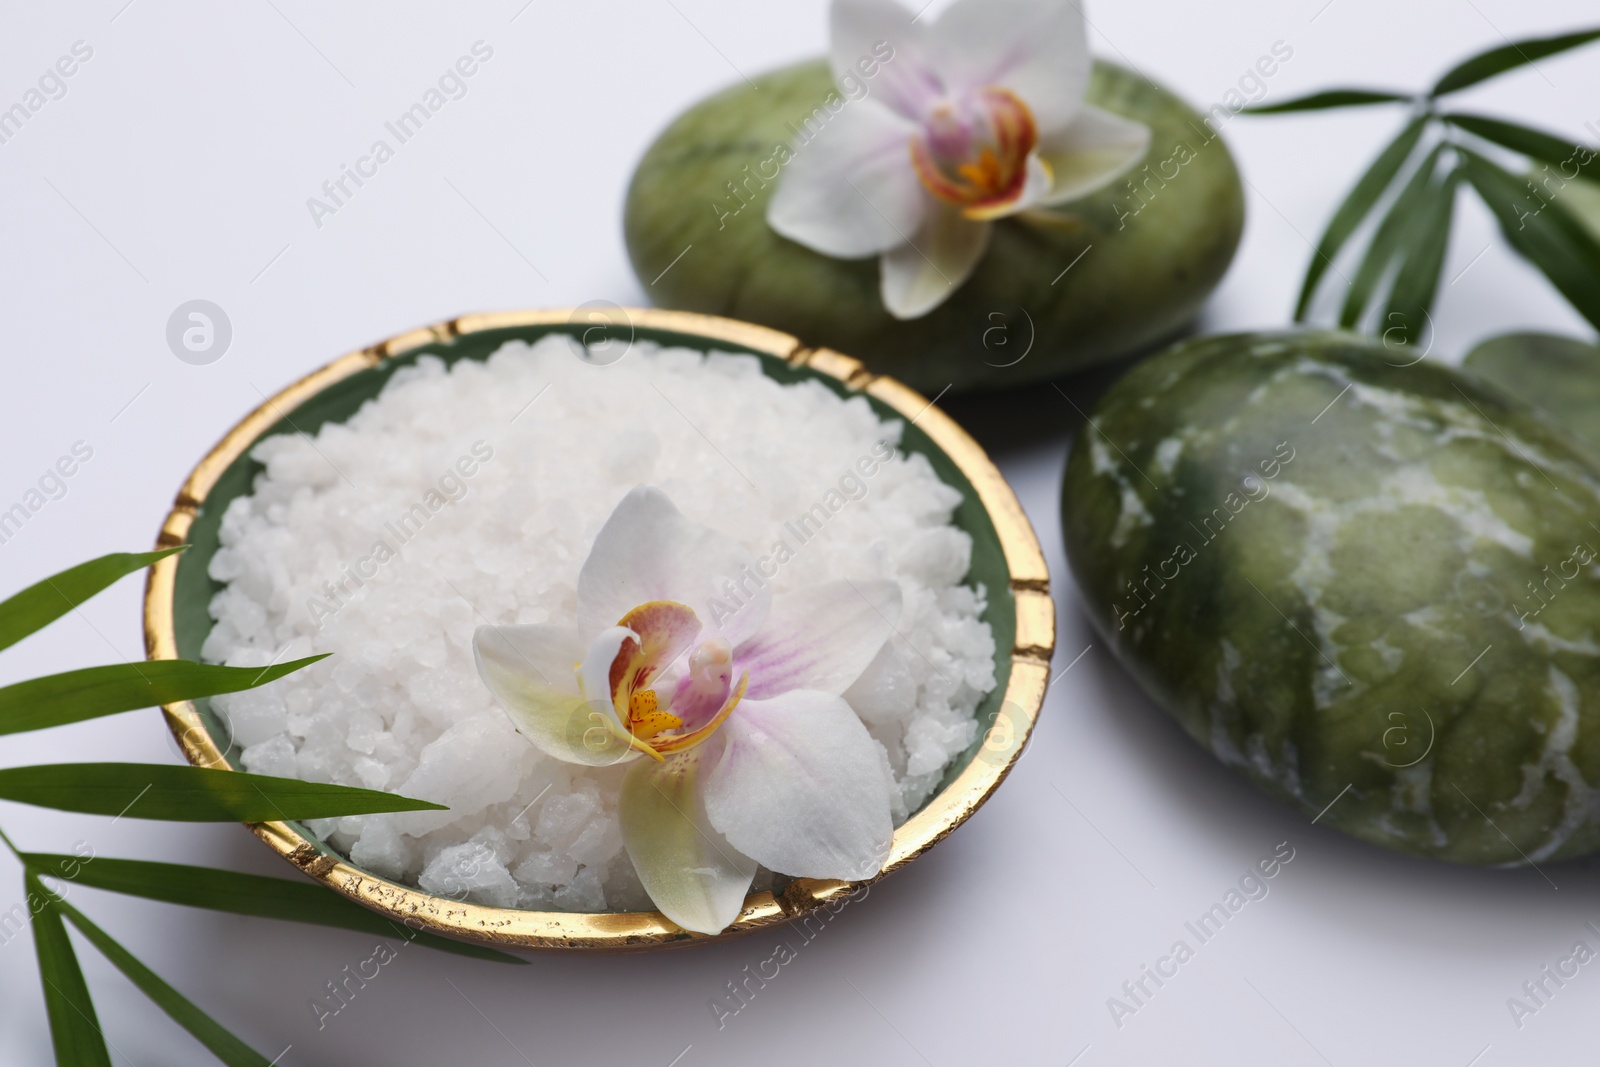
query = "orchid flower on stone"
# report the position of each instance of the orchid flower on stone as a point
(977, 116)
(743, 751)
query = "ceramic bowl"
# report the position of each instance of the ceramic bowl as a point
(1006, 558)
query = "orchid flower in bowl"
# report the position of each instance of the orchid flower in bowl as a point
(744, 753)
(979, 116)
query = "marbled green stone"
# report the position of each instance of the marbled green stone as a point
(1361, 584)
(1154, 245)
(1557, 375)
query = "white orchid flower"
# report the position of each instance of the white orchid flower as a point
(977, 116)
(744, 752)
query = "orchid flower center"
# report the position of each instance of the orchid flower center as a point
(659, 722)
(976, 157)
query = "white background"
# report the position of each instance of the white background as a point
(178, 166)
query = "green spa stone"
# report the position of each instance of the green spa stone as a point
(1153, 245)
(1369, 587)
(1559, 376)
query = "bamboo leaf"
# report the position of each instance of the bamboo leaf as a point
(1543, 232)
(1582, 201)
(222, 1044)
(89, 693)
(1356, 207)
(241, 894)
(1329, 98)
(190, 794)
(1427, 243)
(1532, 143)
(74, 1028)
(1387, 241)
(1495, 61)
(44, 602)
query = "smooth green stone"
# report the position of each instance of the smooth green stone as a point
(1558, 375)
(1154, 245)
(1361, 584)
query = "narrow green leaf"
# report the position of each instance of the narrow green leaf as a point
(74, 1028)
(1582, 201)
(1532, 143)
(89, 693)
(190, 794)
(1356, 206)
(1329, 98)
(1508, 57)
(1387, 241)
(1543, 232)
(242, 894)
(1427, 243)
(222, 1044)
(44, 602)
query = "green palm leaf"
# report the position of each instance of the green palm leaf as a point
(222, 1044)
(1329, 98)
(44, 602)
(1549, 237)
(1532, 143)
(74, 1028)
(241, 894)
(89, 693)
(1356, 207)
(1428, 241)
(1388, 240)
(1486, 65)
(190, 794)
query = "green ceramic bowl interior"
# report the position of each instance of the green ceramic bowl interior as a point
(194, 587)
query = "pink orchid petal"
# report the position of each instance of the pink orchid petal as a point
(801, 788)
(820, 638)
(703, 687)
(862, 34)
(1038, 49)
(692, 873)
(850, 190)
(647, 550)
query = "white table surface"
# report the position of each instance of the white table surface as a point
(177, 167)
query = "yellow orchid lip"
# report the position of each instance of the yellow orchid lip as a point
(988, 180)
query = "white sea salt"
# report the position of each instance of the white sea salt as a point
(470, 495)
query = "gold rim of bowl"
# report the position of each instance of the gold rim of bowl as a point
(515, 928)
